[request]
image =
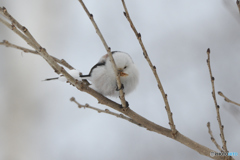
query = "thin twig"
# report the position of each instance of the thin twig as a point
(24, 33)
(212, 138)
(108, 49)
(19, 26)
(164, 95)
(32, 42)
(12, 26)
(216, 105)
(238, 5)
(26, 50)
(227, 99)
(63, 62)
(107, 111)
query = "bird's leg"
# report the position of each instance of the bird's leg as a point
(118, 89)
(127, 104)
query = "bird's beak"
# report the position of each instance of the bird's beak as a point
(122, 74)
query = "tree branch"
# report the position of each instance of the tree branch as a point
(150, 125)
(164, 95)
(105, 111)
(108, 49)
(8, 44)
(212, 138)
(3, 11)
(227, 99)
(23, 33)
(216, 105)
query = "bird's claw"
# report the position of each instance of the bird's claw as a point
(125, 108)
(118, 89)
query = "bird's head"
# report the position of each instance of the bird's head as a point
(123, 62)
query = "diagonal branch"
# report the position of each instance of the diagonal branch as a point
(216, 105)
(212, 138)
(108, 49)
(12, 26)
(24, 33)
(164, 95)
(26, 50)
(227, 99)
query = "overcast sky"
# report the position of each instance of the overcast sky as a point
(37, 120)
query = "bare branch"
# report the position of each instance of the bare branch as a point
(107, 111)
(8, 44)
(150, 125)
(26, 50)
(216, 105)
(227, 99)
(108, 49)
(164, 95)
(23, 33)
(212, 138)
(11, 26)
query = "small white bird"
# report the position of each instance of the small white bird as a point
(103, 77)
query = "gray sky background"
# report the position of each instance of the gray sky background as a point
(37, 120)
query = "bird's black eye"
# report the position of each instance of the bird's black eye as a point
(125, 67)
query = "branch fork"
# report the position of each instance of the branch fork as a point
(216, 105)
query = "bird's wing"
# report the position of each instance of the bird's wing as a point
(100, 63)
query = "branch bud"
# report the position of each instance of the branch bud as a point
(208, 51)
(72, 99)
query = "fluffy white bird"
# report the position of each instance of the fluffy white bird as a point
(103, 77)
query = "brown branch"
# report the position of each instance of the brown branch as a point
(11, 26)
(238, 5)
(164, 95)
(216, 105)
(26, 50)
(8, 44)
(105, 101)
(227, 99)
(212, 138)
(23, 33)
(150, 125)
(108, 49)
(107, 111)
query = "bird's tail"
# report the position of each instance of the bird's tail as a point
(74, 73)
(49, 79)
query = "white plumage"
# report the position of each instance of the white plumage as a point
(103, 77)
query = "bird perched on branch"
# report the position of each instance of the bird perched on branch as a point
(103, 77)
